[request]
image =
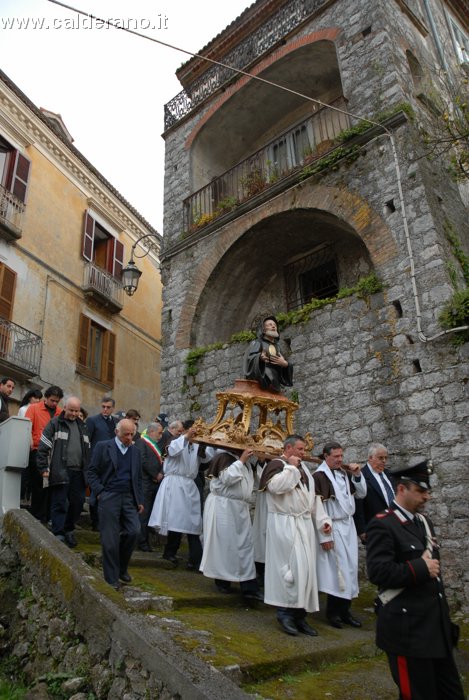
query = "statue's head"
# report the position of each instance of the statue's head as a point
(270, 327)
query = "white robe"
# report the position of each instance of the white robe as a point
(290, 561)
(177, 504)
(338, 567)
(228, 551)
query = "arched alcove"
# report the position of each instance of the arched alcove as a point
(257, 112)
(255, 273)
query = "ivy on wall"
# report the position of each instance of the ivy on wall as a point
(455, 312)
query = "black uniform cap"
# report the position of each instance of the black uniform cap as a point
(416, 473)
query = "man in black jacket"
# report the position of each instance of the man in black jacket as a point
(7, 384)
(152, 474)
(414, 627)
(62, 458)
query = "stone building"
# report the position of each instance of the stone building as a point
(287, 201)
(65, 235)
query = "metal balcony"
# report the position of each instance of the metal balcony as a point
(256, 45)
(11, 214)
(103, 288)
(264, 170)
(20, 350)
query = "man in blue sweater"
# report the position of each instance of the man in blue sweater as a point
(115, 477)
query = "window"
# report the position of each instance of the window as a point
(101, 248)
(7, 291)
(14, 170)
(313, 276)
(96, 351)
(460, 40)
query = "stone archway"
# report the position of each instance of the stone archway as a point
(246, 256)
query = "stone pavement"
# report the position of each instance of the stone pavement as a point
(245, 642)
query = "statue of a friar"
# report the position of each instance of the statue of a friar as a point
(263, 360)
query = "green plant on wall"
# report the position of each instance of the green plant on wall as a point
(455, 312)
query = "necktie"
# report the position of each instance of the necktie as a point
(389, 491)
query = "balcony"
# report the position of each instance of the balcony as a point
(11, 214)
(256, 45)
(103, 288)
(268, 170)
(20, 350)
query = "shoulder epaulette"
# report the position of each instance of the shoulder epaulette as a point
(384, 514)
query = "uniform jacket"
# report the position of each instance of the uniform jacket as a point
(416, 622)
(52, 450)
(103, 465)
(373, 502)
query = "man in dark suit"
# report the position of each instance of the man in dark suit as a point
(100, 427)
(380, 488)
(414, 627)
(115, 477)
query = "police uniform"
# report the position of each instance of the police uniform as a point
(413, 627)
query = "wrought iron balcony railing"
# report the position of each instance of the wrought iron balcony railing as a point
(19, 348)
(103, 287)
(253, 47)
(11, 213)
(301, 144)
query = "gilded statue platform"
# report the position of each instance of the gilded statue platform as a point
(250, 417)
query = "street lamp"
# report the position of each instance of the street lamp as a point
(130, 273)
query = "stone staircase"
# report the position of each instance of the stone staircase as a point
(245, 642)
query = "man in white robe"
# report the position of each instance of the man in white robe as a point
(338, 559)
(290, 560)
(177, 508)
(228, 554)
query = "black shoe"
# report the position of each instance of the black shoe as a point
(117, 586)
(288, 626)
(224, 589)
(170, 558)
(302, 626)
(70, 540)
(145, 547)
(352, 621)
(125, 577)
(253, 595)
(336, 622)
(193, 567)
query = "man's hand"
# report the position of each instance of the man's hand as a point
(354, 469)
(140, 508)
(433, 565)
(327, 546)
(245, 455)
(294, 461)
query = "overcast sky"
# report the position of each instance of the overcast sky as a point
(109, 86)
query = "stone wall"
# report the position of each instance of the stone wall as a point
(70, 625)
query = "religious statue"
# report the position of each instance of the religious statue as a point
(263, 360)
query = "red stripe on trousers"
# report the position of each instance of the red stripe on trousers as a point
(404, 680)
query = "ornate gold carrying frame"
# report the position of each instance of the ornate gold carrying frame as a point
(263, 421)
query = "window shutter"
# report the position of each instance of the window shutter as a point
(83, 340)
(88, 237)
(109, 356)
(118, 259)
(7, 291)
(20, 176)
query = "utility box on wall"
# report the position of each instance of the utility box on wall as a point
(15, 443)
